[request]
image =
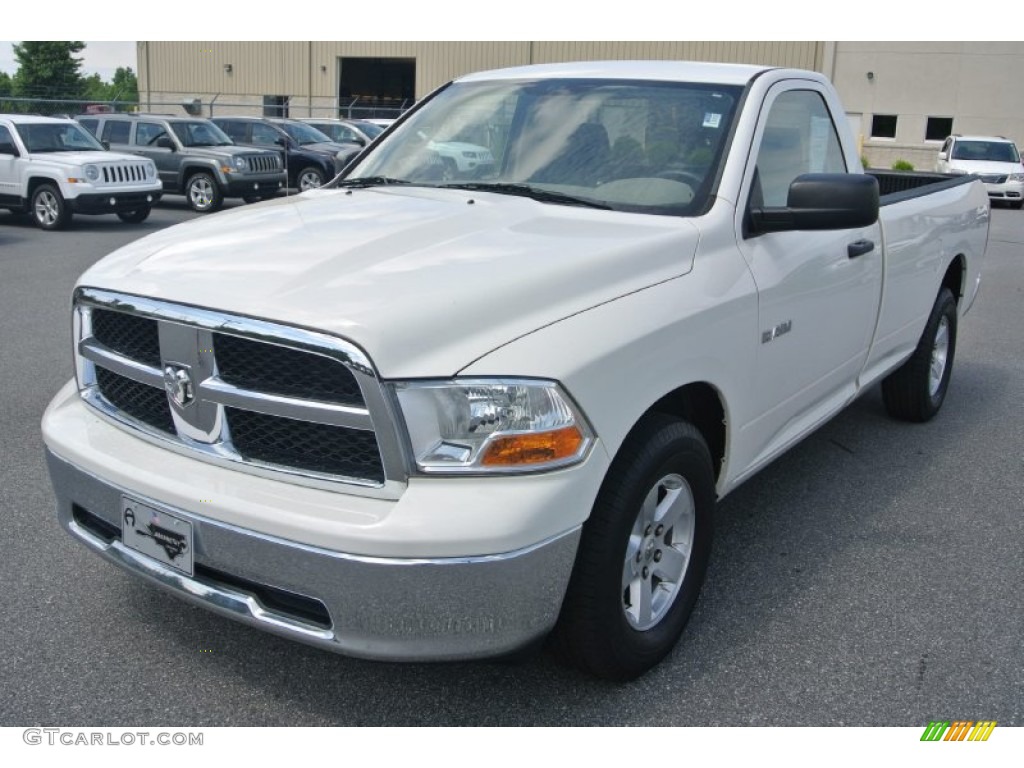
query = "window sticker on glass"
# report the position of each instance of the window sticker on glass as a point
(712, 119)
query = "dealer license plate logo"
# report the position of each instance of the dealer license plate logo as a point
(157, 534)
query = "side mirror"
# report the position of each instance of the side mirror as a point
(943, 156)
(164, 142)
(9, 149)
(822, 201)
(106, 145)
(282, 142)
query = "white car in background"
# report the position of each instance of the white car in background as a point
(52, 168)
(994, 158)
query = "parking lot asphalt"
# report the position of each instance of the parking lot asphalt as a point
(871, 576)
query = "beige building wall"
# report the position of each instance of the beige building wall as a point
(234, 76)
(977, 84)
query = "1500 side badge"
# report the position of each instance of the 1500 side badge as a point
(774, 333)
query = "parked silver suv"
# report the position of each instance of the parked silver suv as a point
(193, 157)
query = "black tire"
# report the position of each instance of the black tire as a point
(49, 211)
(308, 178)
(202, 193)
(912, 392)
(599, 629)
(250, 199)
(137, 216)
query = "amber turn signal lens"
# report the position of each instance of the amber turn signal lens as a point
(533, 448)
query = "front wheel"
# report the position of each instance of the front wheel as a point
(137, 216)
(310, 178)
(642, 555)
(49, 210)
(915, 390)
(203, 194)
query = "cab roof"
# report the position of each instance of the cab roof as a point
(675, 71)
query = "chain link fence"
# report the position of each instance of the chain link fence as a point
(352, 109)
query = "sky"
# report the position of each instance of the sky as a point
(103, 58)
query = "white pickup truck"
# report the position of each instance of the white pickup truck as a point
(52, 168)
(416, 417)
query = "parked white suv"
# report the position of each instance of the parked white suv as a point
(994, 158)
(52, 168)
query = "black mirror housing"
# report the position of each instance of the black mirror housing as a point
(822, 201)
(9, 149)
(165, 142)
(106, 145)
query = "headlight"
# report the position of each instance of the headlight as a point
(150, 170)
(92, 172)
(1016, 177)
(491, 425)
(239, 162)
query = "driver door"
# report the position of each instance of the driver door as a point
(144, 143)
(818, 291)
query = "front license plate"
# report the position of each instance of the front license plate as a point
(157, 534)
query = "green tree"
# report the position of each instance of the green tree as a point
(49, 69)
(125, 85)
(6, 89)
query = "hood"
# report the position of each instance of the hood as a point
(986, 167)
(81, 158)
(330, 147)
(228, 150)
(424, 280)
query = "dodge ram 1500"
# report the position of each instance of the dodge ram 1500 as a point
(417, 416)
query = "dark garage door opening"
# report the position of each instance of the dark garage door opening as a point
(376, 87)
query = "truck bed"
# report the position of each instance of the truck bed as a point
(894, 186)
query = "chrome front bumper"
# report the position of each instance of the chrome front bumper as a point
(371, 607)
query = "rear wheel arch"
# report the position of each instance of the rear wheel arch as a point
(955, 277)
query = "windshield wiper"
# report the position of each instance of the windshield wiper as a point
(370, 181)
(525, 190)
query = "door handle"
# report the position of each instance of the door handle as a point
(859, 248)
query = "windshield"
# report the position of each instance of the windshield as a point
(648, 147)
(200, 133)
(304, 134)
(370, 129)
(57, 137)
(993, 151)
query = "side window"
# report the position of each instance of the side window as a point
(263, 134)
(799, 137)
(90, 124)
(234, 129)
(146, 134)
(5, 136)
(116, 131)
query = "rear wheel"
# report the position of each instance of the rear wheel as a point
(915, 391)
(137, 216)
(642, 555)
(49, 211)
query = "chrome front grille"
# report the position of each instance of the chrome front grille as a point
(994, 178)
(258, 396)
(267, 163)
(123, 173)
